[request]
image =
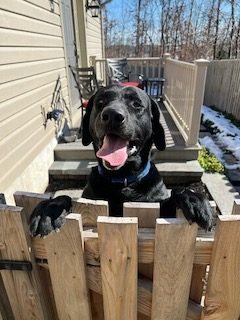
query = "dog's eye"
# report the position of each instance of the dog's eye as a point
(136, 104)
(100, 103)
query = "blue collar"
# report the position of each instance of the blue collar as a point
(129, 179)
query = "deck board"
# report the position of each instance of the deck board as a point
(172, 134)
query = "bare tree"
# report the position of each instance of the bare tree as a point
(188, 29)
(237, 41)
(230, 47)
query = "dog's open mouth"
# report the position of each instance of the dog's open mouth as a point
(115, 151)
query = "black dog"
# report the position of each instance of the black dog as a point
(123, 123)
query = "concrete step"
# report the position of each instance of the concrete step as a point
(221, 190)
(76, 151)
(172, 172)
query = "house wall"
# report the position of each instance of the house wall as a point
(31, 60)
(94, 37)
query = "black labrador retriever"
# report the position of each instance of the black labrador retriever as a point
(123, 123)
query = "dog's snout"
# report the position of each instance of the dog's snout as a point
(112, 116)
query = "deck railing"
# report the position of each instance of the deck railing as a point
(183, 90)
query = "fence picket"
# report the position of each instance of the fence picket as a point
(68, 271)
(24, 289)
(90, 210)
(146, 212)
(118, 248)
(223, 289)
(29, 200)
(173, 264)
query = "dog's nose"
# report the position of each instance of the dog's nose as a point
(112, 116)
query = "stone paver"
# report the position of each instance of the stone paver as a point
(234, 175)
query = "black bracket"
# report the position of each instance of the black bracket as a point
(15, 265)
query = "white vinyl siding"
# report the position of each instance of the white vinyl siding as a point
(31, 60)
(94, 37)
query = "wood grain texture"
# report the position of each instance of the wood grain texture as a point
(118, 248)
(67, 269)
(24, 289)
(90, 210)
(29, 200)
(146, 246)
(222, 88)
(146, 212)
(146, 243)
(144, 294)
(173, 262)
(223, 288)
(197, 283)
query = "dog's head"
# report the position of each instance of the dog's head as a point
(123, 123)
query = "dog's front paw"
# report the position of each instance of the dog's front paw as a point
(195, 207)
(49, 215)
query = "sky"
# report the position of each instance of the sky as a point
(227, 139)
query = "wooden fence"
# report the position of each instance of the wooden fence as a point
(100, 267)
(223, 86)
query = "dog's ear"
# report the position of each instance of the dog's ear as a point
(158, 131)
(86, 135)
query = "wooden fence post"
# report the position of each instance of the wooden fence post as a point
(118, 252)
(24, 289)
(175, 240)
(199, 87)
(223, 288)
(68, 270)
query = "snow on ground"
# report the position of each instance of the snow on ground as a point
(227, 139)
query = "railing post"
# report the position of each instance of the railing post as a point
(166, 56)
(198, 94)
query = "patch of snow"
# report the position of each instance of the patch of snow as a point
(228, 137)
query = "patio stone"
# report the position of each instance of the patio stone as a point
(230, 159)
(237, 188)
(234, 175)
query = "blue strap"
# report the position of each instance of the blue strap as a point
(129, 179)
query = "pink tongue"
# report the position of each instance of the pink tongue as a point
(114, 150)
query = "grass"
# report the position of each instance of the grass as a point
(209, 162)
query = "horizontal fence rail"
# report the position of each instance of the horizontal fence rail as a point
(100, 267)
(183, 88)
